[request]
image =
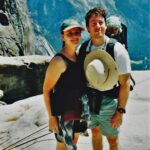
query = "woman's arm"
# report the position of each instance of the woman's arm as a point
(56, 67)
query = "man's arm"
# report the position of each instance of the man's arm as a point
(124, 81)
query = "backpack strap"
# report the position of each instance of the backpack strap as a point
(110, 47)
(83, 47)
(132, 85)
(82, 54)
(124, 35)
(110, 50)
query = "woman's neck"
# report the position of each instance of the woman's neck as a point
(69, 52)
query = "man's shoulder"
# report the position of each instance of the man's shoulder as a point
(120, 48)
(84, 46)
(110, 40)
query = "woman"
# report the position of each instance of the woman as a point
(61, 80)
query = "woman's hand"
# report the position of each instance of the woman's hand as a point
(53, 124)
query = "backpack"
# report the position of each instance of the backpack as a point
(120, 37)
(109, 49)
(92, 94)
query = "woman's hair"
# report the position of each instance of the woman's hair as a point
(95, 11)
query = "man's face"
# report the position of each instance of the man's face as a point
(97, 26)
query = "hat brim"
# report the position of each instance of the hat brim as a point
(74, 26)
(107, 59)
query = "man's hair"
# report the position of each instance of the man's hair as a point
(95, 11)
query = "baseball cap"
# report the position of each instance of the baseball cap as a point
(69, 24)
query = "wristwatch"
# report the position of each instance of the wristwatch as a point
(121, 110)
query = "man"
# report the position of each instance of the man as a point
(110, 114)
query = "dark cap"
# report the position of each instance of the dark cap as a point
(69, 24)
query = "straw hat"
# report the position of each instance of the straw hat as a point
(100, 70)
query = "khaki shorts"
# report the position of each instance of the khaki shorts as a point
(107, 110)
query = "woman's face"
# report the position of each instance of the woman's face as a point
(72, 36)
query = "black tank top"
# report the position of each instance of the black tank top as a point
(69, 79)
(67, 90)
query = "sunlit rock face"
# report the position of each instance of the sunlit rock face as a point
(17, 35)
(9, 42)
(22, 77)
(24, 53)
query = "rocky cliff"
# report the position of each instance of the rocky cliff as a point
(22, 69)
(22, 77)
(17, 35)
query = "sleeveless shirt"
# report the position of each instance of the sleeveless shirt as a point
(65, 97)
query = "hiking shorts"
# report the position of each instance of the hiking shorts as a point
(107, 110)
(65, 134)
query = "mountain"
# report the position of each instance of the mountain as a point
(17, 35)
(49, 14)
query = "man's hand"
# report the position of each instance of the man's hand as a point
(116, 120)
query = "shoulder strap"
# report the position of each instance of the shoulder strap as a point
(124, 35)
(110, 47)
(82, 51)
(83, 47)
(63, 57)
(133, 83)
(110, 50)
